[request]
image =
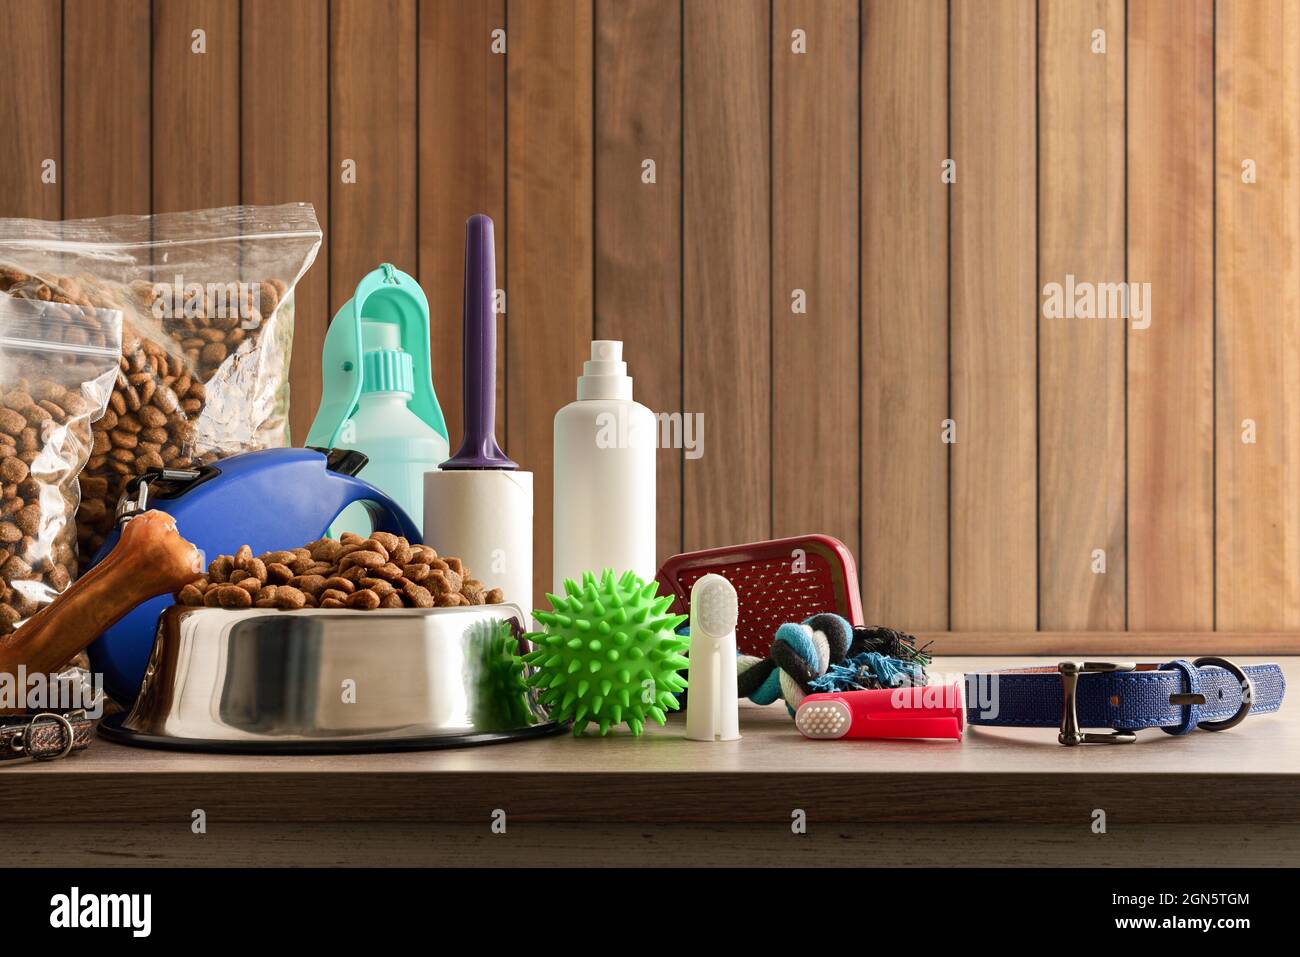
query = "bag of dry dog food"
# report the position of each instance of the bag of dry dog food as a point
(207, 304)
(58, 363)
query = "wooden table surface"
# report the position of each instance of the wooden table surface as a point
(998, 785)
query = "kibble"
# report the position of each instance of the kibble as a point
(352, 572)
(45, 423)
(154, 412)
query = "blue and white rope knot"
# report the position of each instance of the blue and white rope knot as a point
(825, 653)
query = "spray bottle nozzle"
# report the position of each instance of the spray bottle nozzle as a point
(606, 359)
(604, 375)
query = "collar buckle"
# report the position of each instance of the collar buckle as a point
(1070, 734)
(21, 737)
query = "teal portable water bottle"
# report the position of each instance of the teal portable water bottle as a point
(377, 392)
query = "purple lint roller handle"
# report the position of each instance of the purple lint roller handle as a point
(479, 450)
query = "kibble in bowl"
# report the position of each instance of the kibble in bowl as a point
(352, 572)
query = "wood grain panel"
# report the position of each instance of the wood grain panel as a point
(462, 172)
(994, 304)
(1171, 364)
(106, 134)
(815, 397)
(904, 554)
(725, 271)
(372, 123)
(285, 147)
(589, 845)
(195, 105)
(639, 225)
(995, 775)
(549, 203)
(1257, 244)
(1122, 645)
(1081, 360)
(31, 105)
(1072, 434)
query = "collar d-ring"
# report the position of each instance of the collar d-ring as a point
(1247, 692)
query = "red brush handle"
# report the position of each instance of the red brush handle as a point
(933, 711)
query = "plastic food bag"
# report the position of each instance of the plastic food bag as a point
(57, 368)
(207, 303)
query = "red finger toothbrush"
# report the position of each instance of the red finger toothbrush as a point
(933, 711)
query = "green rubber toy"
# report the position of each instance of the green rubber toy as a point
(496, 673)
(609, 654)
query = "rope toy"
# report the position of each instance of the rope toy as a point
(825, 653)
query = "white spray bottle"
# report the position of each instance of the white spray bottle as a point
(604, 506)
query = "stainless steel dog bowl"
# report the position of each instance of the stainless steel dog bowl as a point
(319, 680)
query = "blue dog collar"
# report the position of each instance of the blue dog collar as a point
(1177, 697)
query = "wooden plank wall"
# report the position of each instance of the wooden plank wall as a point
(1081, 232)
(1257, 310)
(638, 238)
(992, 307)
(726, 268)
(549, 202)
(814, 272)
(107, 137)
(31, 108)
(1170, 229)
(462, 131)
(298, 114)
(904, 308)
(829, 226)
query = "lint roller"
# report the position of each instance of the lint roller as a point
(712, 705)
(479, 504)
(931, 711)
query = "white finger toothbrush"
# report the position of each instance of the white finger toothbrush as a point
(712, 705)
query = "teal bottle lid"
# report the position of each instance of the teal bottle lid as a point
(385, 365)
(379, 341)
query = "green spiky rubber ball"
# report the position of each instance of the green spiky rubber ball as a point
(496, 674)
(609, 653)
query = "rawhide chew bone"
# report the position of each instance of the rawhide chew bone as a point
(151, 558)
